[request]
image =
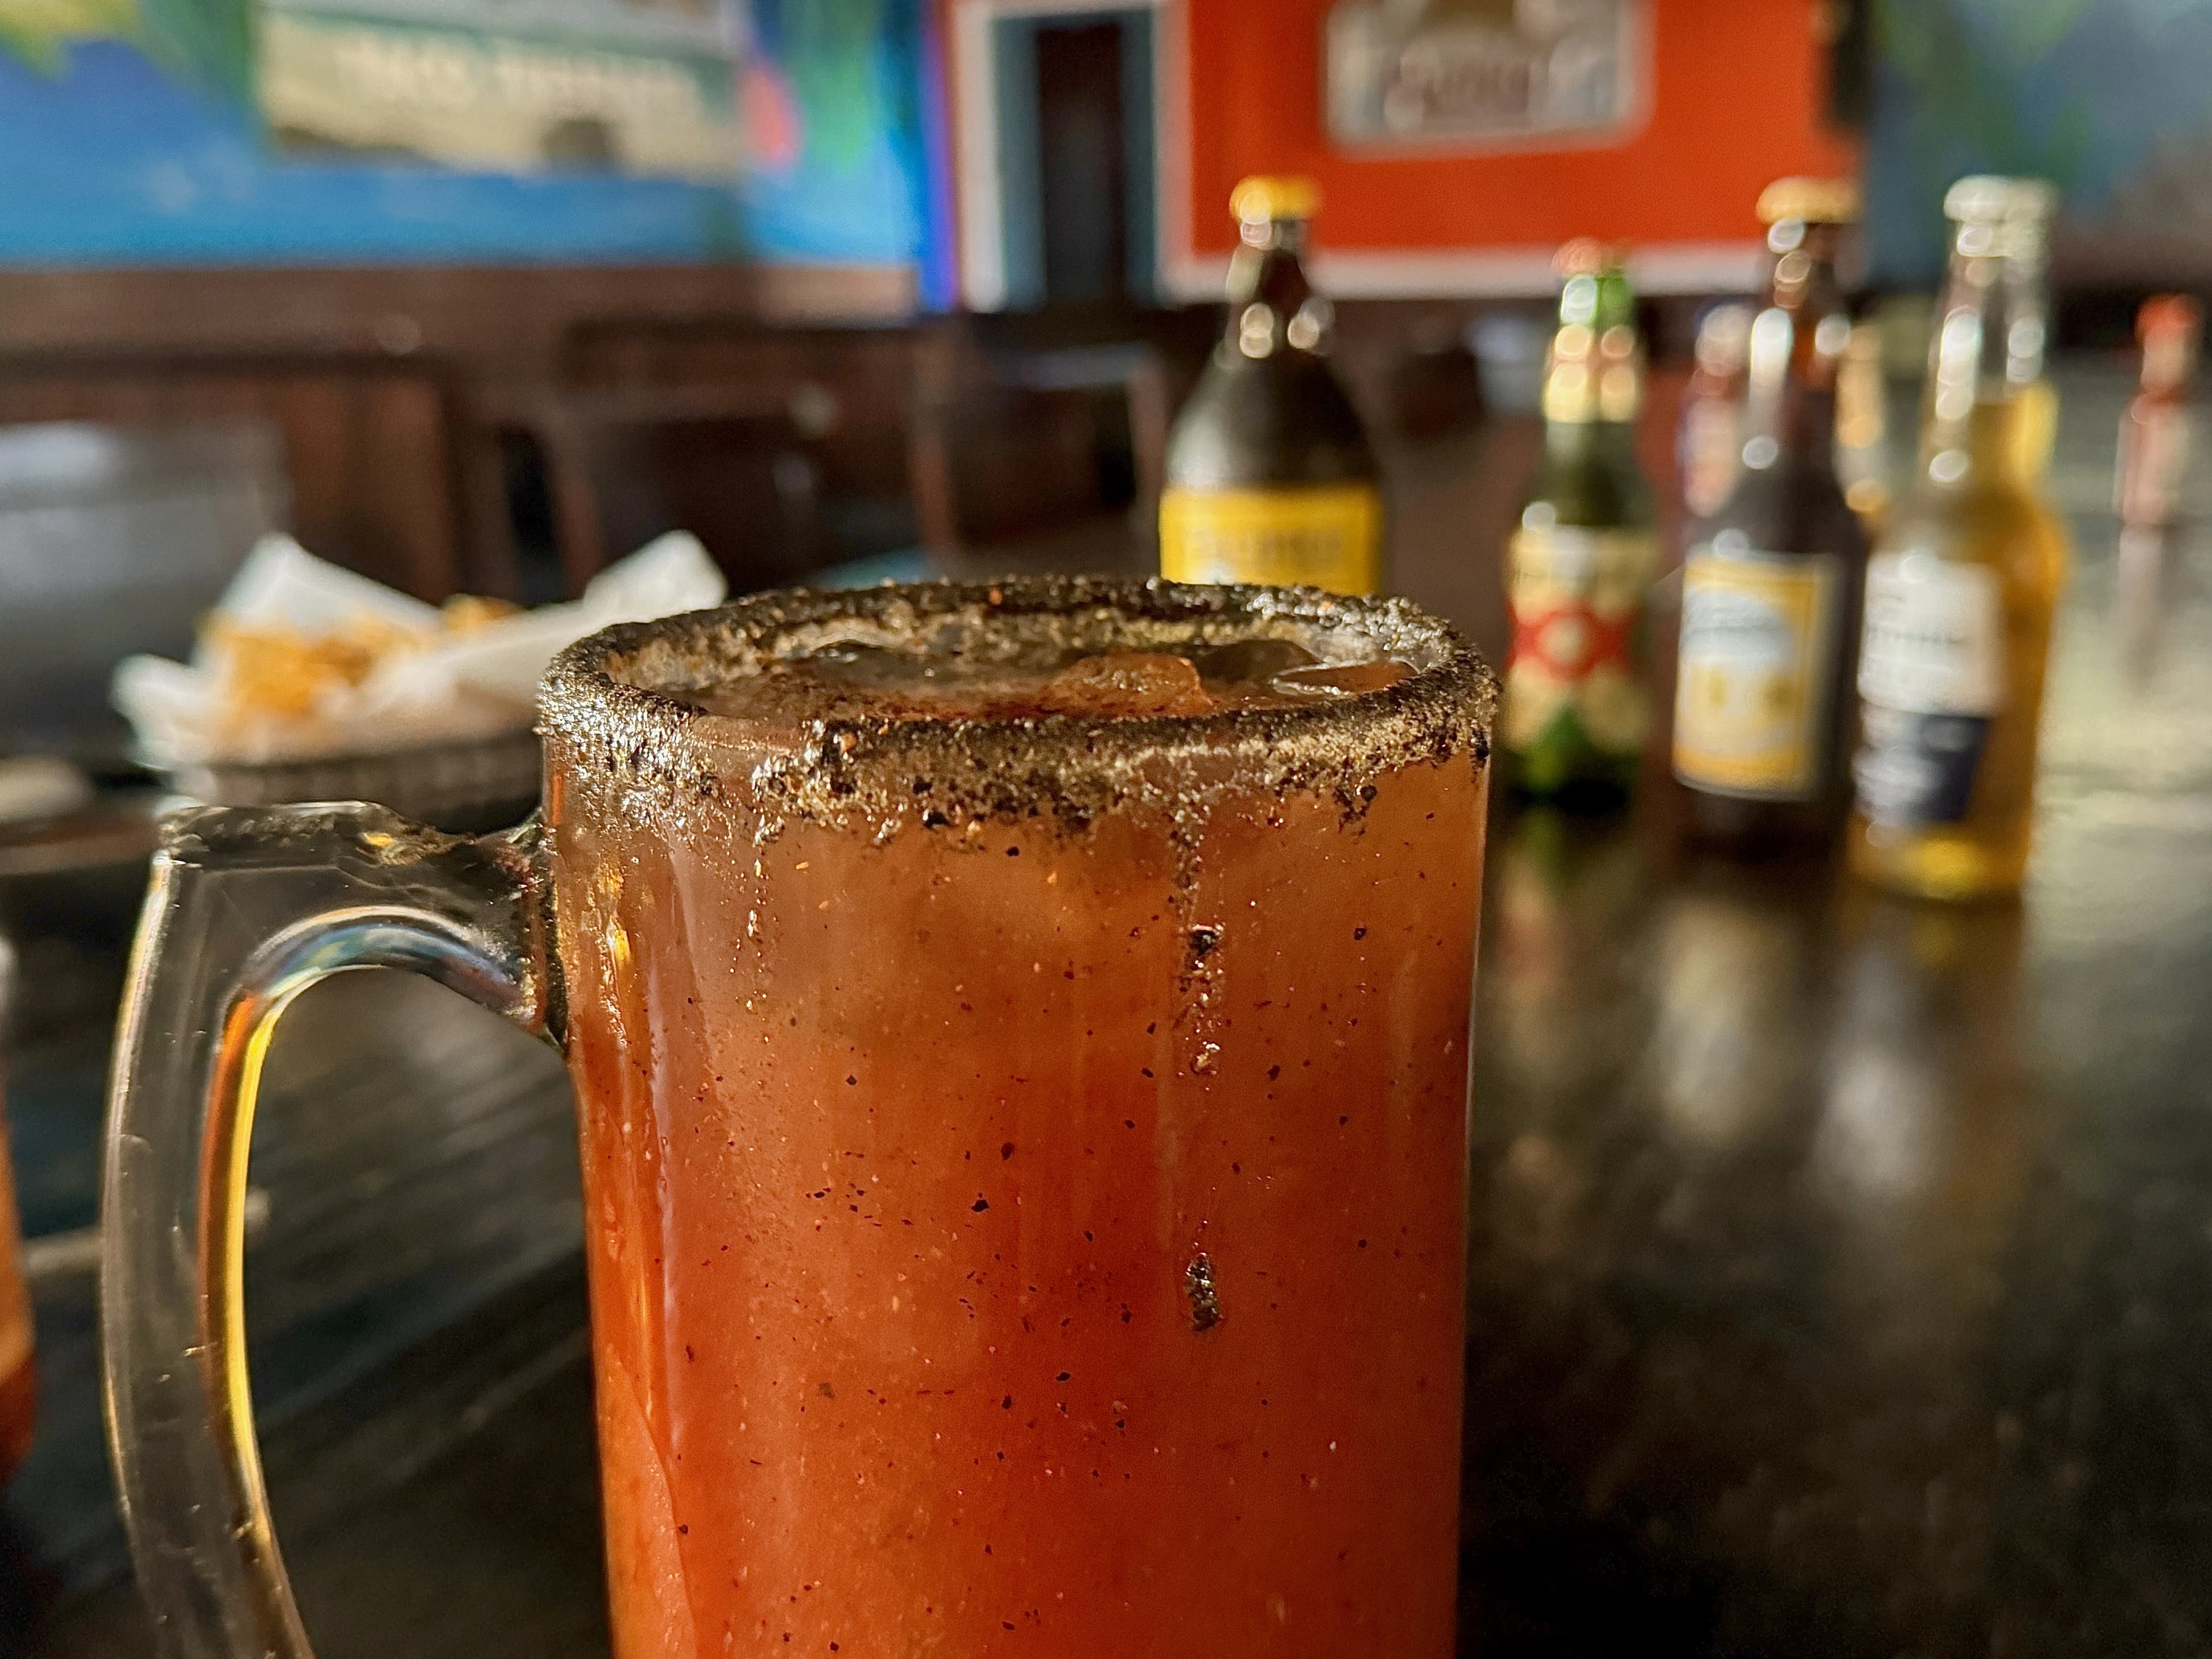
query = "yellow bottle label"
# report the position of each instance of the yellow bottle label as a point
(1757, 672)
(1324, 536)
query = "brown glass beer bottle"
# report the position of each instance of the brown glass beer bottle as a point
(1771, 581)
(1270, 475)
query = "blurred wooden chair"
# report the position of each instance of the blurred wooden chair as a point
(786, 449)
(1040, 452)
(847, 392)
(114, 540)
(367, 448)
(1410, 367)
(735, 470)
(1432, 386)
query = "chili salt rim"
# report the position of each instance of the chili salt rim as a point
(643, 736)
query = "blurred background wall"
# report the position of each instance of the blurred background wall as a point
(946, 142)
(2106, 98)
(506, 285)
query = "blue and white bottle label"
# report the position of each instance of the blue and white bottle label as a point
(1931, 676)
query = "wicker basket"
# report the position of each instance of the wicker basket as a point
(462, 788)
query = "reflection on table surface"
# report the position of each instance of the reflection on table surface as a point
(1842, 1268)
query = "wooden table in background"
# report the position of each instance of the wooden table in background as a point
(1842, 1268)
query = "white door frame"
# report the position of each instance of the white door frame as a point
(982, 207)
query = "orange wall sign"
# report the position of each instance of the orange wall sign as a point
(1729, 96)
(1659, 127)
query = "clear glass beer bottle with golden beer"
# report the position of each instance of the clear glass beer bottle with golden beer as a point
(1963, 581)
(1709, 444)
(1270, 475)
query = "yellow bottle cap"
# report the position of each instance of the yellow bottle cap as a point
(1266, 196)
(1811, 200)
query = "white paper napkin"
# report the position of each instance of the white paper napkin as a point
(431, 687)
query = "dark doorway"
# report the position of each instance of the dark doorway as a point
(1075, 135)
(1084, 206)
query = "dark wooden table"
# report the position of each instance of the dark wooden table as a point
(1842, 1268)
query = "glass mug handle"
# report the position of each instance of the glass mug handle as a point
(247, 908)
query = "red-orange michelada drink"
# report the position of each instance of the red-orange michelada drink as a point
(1019, 1036)
(1021, 1041)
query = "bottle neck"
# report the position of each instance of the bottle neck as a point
(1585, 440)
(1796, 349)
(2169, 361)
(1594, 372)
(1986, 355)
(1273, 306)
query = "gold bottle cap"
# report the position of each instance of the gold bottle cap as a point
(1813, 201)
(1586, 256)
(1986, 198)
(1266, 196)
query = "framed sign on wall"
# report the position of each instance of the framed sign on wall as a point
(1481, 74)
(515, 86)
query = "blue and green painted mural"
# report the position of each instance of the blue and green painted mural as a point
(2111, 100)
(346, 131)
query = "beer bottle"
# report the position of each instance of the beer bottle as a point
(1863, 426)
(2035, 433)
(2154, 431)
(1270, 477)
(1709, 447)
(1580, 565)
(2147, 484)
(1771, 581)
(1963, 581)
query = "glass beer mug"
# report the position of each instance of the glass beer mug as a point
(19, 1384)
(1019, 1037)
